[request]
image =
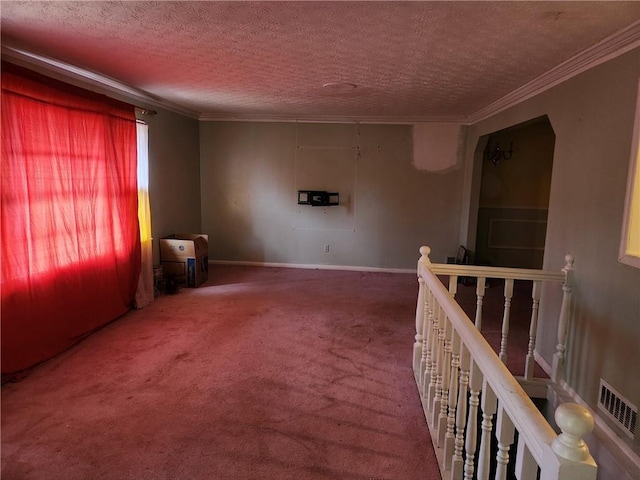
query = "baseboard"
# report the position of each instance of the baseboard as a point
(616, 454)
(348, 268)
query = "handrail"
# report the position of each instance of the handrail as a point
(508, 274)
(523, 413)
(457, 370)
(496, 272)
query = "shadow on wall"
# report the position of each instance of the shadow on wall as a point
(251, 248)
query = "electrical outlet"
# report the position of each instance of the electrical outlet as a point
(326, 248)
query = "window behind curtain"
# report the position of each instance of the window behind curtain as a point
(145, 291)
(69, 227)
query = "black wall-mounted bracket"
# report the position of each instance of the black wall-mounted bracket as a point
(318, 198)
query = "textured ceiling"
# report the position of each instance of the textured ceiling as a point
(409, 60)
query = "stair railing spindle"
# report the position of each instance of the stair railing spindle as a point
(526, 466)
(508, 294)
(505, 435)
(449, 437)
(480, 291)
(417, 346)
(429, 364)
(533, 327)
(435, 358)
(471, 436)
(489, 404)
(424, 361)
(446, 376)
(437, 399)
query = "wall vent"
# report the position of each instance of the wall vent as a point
(618, 408)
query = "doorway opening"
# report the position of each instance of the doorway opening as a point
(513, 205)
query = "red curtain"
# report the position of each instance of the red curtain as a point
(70, 241)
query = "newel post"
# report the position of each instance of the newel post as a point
(568, 457)
(417, 346)
(557, 371)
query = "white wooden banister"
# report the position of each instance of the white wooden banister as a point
(461, 378)
(563, 277)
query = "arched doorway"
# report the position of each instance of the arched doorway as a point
(514, 195)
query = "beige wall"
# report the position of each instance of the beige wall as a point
(388, 208)
(174, 175)
(524, 180)
(592, 116)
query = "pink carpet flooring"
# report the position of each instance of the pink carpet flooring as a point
(261, 373)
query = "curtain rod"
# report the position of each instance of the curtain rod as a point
(145, 111)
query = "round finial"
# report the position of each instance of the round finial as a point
(575, 421)
(425, 251)
(568, 259)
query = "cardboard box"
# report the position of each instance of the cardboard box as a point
(186, 257)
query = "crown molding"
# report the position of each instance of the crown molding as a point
(609, 48)
(104, 84)
(87, 79)
(397, 120)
